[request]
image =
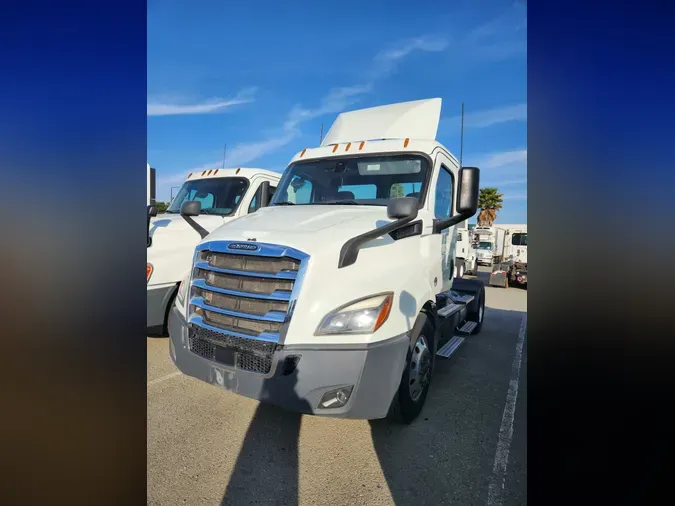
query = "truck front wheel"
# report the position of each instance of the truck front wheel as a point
(412, 391)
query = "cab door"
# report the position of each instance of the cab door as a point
(443, 199)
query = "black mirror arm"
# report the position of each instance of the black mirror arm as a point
(200, 230)
(350, 249)
(440, 225)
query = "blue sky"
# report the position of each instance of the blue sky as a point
(262, 77)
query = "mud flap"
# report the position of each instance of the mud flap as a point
(499, 276)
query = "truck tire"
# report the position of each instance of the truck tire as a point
(412, 391)
(479, 313)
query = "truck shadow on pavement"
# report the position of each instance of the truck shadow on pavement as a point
(267, 468)
(445, 456)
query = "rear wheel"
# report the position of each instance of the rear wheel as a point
(412, 391)
(459, 269)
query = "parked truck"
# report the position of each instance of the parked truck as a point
(223, 194)
(515, 254)
(466, 261)
(337, 298)
(490, 243)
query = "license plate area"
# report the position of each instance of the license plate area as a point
(225, 356)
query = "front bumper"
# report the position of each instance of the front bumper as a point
(374, 372)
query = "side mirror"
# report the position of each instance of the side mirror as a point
(264, 197)
(191, 208)
(152, 211)
(467, 192)
(402, 207)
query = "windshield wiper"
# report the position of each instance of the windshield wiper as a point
(207, 211)
(284, 203)
(338, 202)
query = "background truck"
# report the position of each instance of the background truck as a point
(223, 195)
(337, 298)
(490, 243)
(466, 261)
(515, 254)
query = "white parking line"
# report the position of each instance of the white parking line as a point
(496, 486)
(168, 376)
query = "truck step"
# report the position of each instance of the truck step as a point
(461, 298)
(449, 310)
(468, 327)
(450, 347)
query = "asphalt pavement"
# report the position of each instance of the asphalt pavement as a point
(469, 446)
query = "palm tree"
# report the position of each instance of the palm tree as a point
(489, 202)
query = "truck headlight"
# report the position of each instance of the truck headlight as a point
(363, 316)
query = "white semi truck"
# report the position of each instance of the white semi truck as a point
(515, 254)
(490, 243)
(466, 261)
(224, 194)
(337, 298)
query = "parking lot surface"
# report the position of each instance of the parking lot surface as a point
(208, 446)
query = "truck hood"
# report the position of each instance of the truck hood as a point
(171, 230)
(307, 228)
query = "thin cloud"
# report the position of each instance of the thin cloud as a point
(489, 117)
(336, 101)
(385, 61)
(501, 159)
(517, 196)
(213, 105)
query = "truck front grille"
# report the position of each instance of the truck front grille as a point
(240, 353)
(237, 298)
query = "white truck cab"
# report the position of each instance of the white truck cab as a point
(336, 298)
(466, 261)
(221, 195)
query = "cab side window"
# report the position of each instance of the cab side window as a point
(443, 194)
(253, 206)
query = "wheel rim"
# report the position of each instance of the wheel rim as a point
(420, 368)
(480, 313)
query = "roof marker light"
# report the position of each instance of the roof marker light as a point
(237, 171)
(349, 145)
(216, 172)
(303, 152)
(209, 172)
(363, 143)
(405, 143)
(204, 172)
(189, 175)
(335, 148)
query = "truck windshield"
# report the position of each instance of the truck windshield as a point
(484, 245)
(369, 181)
(219, 196)
(519, 239)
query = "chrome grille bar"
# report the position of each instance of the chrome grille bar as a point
(244, 290)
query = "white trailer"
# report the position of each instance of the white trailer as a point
(337, 298)
(216, 196)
